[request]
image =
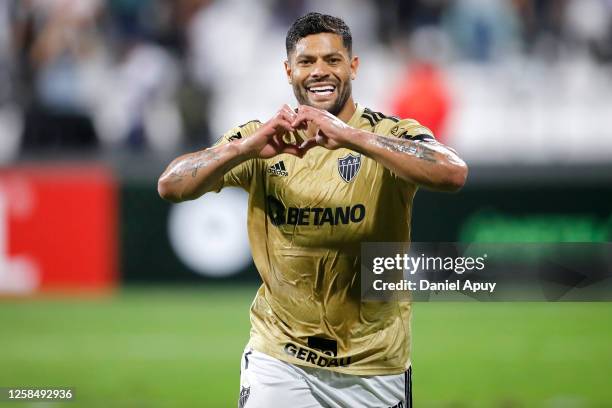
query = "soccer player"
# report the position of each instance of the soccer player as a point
(322, 179)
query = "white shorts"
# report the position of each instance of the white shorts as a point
(266, 382)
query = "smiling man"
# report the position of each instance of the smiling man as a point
(322, 179)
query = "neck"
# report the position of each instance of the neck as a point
(347, 110)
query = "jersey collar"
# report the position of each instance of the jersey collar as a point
(354, 120)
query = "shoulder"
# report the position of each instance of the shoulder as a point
(397, 127)
(239, 132)
(375, 119)
(244, 130)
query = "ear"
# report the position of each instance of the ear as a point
(354, 66)
(288, 71)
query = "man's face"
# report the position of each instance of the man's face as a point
(320, 70)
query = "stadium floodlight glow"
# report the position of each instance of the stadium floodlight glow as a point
(210, 236)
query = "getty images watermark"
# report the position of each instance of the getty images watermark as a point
(423, 264)
(488, 272)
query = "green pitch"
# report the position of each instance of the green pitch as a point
(154, 348)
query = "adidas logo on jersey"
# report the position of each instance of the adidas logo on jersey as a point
(278, 169)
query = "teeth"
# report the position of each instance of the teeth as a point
(322, 89)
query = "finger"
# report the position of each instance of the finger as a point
(284, 147)
(303, 125)
(283, 124)
(274, 143)
(320, 138)
(289, 112)
(278, 138)
(308, 144)
(294, 149)
(306, 109)
(281, 143)
(284, 108)
(289, 117)
(275, 125)
(303, 108)
(301, 119)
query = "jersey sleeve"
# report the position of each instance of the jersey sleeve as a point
(408, 129)
(241, 175)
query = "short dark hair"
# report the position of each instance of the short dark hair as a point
(315, 23)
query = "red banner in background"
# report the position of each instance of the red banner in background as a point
(58, 229)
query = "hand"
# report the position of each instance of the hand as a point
(268, 141)
(331, 132)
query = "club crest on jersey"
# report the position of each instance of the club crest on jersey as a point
(348, 166)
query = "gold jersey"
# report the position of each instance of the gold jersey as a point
(306, 221)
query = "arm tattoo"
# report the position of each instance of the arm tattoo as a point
(192, 164)
(204, 159)
(413, 148)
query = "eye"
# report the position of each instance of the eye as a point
(334, 60)
(304, 62)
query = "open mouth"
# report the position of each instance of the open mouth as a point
(322, 90)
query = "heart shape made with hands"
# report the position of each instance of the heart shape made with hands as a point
(307, 119)
(301, 145)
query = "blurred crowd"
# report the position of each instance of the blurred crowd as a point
(517, 79)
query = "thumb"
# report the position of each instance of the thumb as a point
(320, 139)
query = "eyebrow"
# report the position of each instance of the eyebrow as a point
(306, 55)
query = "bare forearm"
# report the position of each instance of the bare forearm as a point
(431, 165)
(191, 175)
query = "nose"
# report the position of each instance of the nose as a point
(319, 69)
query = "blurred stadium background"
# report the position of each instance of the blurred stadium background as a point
(136, 303)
